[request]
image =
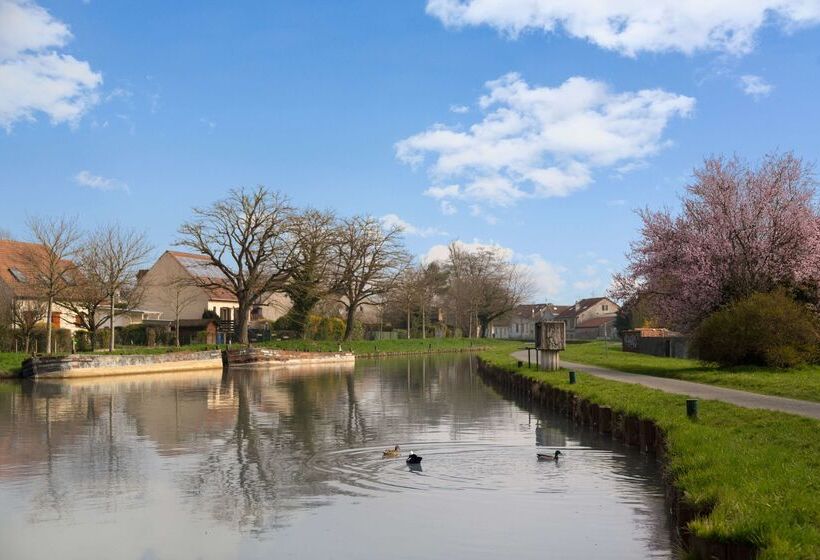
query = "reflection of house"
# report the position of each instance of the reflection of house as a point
(657, 342)
(520, 324)
(176, 286)
(18, 271)
(590, 318)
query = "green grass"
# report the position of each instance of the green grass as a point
(387, 346)
(760, 470)
(798, 383)
(10, 361)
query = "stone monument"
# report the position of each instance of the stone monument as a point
(550, 338)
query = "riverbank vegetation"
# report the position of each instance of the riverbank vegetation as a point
(754, 470)
(801, 382)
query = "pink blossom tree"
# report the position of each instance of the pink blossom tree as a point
(741, 230)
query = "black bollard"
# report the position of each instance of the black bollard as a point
(572, 378)
(692, 408)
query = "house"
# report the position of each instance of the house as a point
(520, 323)
(18, 289)
(590, 319)
(174, 287)
(656, 342)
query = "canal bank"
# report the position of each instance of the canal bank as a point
(740, 483)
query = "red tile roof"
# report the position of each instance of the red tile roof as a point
(19, 258)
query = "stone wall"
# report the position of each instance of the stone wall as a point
(80, 365)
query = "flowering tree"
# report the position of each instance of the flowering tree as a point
(741, 230)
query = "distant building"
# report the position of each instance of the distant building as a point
(590, 319)
(656, 342)
(174, 286)
(520, 322)
(18, 288)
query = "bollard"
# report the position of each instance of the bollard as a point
(520, 363)
(692, 408)
(572, 378)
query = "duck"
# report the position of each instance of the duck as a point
(548, 457)
(390, 453)
(413, 459)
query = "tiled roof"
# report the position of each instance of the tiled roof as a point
(17, 269)
(652, 332)
(580, 306)
(200, 267)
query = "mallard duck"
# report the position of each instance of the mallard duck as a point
(413, 459)
(549, 457)
(388, 453)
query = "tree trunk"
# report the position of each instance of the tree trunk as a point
(423, 323)
(408, 323)
(93, 335)
(111, 324)
(484, 326)
(177, 331)
(242, 320)
(349, 322)
(48, 324)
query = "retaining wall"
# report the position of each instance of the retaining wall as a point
(85, 365)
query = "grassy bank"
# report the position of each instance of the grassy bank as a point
(758, 470)
(797, 383)
(10, 361)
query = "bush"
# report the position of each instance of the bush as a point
(764, 329)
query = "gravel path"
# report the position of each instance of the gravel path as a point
(700, 390)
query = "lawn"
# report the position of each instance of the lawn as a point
(10, 363)
(798, 383)
(760, 470)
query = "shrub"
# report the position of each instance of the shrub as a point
(767, 329)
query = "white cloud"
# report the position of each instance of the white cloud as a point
(97, 182)
(633, 26)
(460, 109)
(755, 86)
(538, 142)
(393, 220)
(447, 208)
(546, 277)
(441, 253)
(34, 77)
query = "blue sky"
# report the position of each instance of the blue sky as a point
(483, 121)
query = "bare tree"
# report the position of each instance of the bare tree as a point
(315, 235)
(485, 286)
(87, 301)
(369, 259)
(112, 257)
(247, 238)
(179, 293)
(26, 314)
(57, 241)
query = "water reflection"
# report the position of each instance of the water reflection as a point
(250, 462)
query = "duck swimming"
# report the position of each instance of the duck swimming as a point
(389, 453)
(548, 457)
(413, 459)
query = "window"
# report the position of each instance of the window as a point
(19, 276)
(604, 307)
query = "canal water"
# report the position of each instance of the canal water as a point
(288, 464)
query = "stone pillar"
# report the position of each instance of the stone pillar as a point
(548, 360)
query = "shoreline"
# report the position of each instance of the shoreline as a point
(633, 431)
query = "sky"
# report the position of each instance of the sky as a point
(537, 127)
